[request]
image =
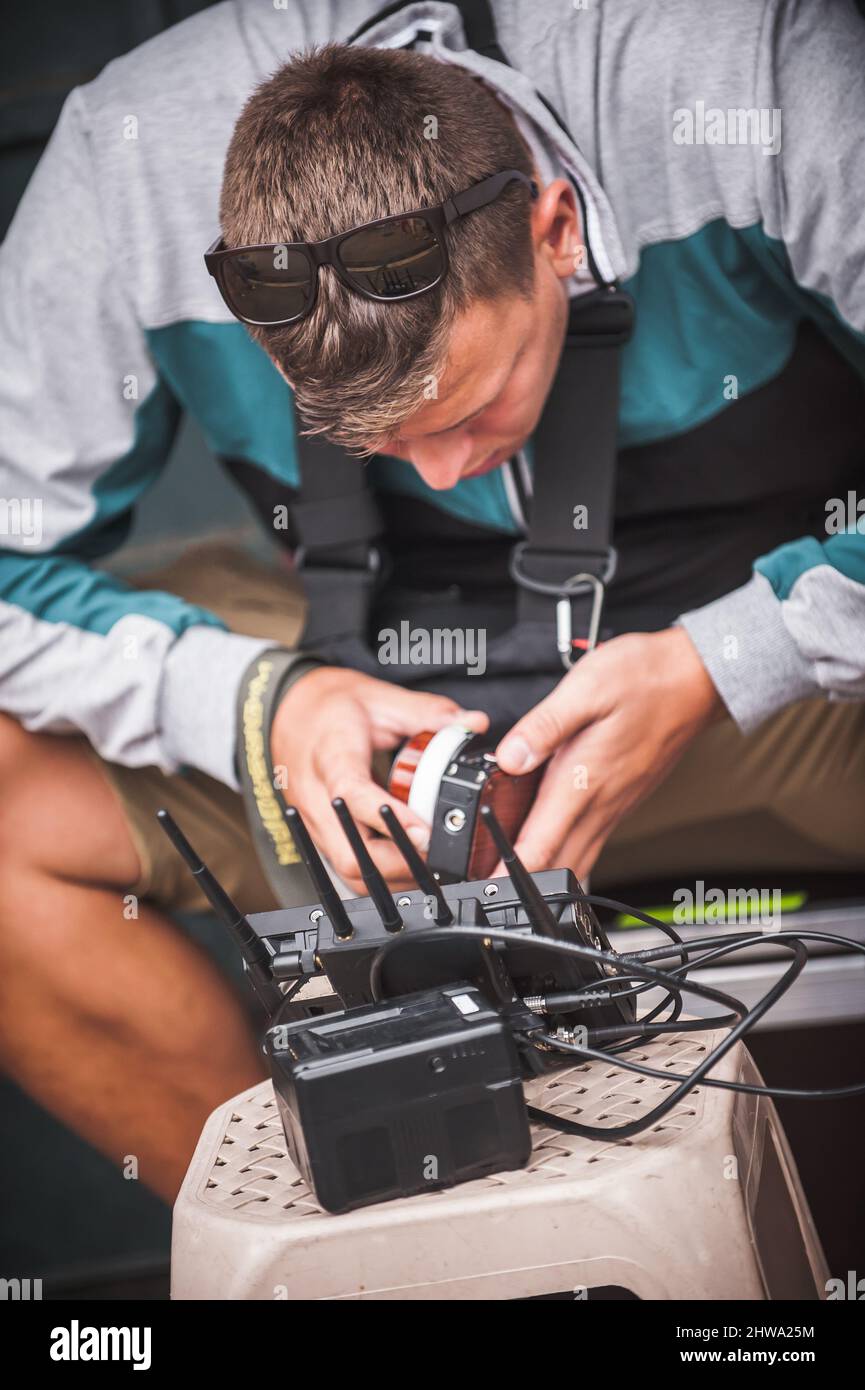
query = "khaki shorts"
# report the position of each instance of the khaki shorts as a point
(790, 796)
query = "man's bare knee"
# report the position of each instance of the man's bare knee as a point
(58, 814)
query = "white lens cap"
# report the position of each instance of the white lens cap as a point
(432, 766)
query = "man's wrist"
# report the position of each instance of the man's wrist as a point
(305, 663)
(263, 687)
(752, 659)
(262, 690)
(704, 699)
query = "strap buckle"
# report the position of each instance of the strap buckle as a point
(564, 594)
(371, 565)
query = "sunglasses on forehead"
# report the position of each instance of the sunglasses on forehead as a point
(392, 258)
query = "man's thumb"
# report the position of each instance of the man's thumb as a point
(540, 732)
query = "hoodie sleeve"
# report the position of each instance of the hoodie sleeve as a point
(797, 628)
(86, 424)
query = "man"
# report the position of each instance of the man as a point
(741, 417)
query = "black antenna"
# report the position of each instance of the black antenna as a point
(251, 947)
(421, 872)
(327, 894)
(538, 910)
(375, 884)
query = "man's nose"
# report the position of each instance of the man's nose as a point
(440, 462)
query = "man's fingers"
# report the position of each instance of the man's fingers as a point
(344, 770)
(364, 800)
(332, 843)
(580, 857)
(536, 736)
(564, 809)
(342, 756)
(397, 712)
(342, 764)
(383, 853)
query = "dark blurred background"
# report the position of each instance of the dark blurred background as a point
(66, 1216)
(48, 49)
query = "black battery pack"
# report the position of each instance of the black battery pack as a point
(388, 1100)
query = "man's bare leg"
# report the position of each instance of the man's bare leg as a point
(119, 1026)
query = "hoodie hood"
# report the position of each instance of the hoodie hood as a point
(437, 29)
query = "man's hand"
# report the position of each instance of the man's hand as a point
(326, 730)
(613, 728)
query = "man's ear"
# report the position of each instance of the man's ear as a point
(557, 228)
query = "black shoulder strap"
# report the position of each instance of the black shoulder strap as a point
(478, 26)
(337, 520)
(335, 515)
(568, 550)
(480, 29)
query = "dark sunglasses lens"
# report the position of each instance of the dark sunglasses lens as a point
(395, 260)
(268, 285)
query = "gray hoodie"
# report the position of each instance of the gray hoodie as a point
(720, 155)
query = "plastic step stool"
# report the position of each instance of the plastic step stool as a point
(707, 1204)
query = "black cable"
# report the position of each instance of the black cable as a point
(571, 1002)
(597, 901)
(635, 966)
(616, 906)
(675, 981)
(786, 1093)
(685, 1025)
(622, 964)
(726, 946)
(627, 1131)
(561, 1003)
(672, 995)
(294, 988)
(618, 963)
(645, 1025)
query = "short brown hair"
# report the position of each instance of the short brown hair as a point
(339, 136)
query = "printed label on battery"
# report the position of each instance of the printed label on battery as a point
(465, 1003)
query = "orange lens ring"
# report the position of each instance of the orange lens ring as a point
(405, 766)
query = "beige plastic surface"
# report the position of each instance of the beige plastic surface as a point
(666, 1215)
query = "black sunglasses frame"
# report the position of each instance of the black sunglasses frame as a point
(326, 252)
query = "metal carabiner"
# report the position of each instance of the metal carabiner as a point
(564, 617)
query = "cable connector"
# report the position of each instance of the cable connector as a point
(570, 1036)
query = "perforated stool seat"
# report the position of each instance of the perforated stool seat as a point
(707, 1204)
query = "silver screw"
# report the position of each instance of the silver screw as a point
(454, 820)
(403, 902)
(316, 915)
(491, 890)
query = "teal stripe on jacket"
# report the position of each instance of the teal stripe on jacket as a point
(719, 302)
(712, 304)
(60, 587)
